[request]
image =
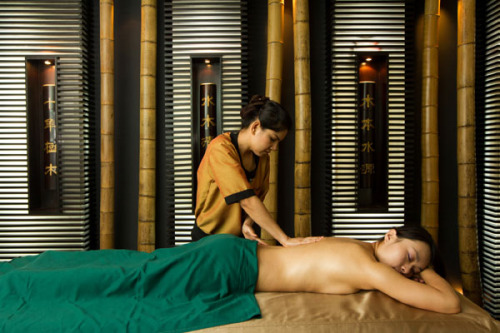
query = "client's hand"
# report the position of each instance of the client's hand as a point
(300, 240)
(249, 233)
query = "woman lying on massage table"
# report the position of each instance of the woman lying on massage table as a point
(397, 265)
(209, 282)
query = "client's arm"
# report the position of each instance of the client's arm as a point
(434, 294)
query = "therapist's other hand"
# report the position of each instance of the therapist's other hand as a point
(300, 241)
(249, 233)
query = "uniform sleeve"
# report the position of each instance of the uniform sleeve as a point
(229, 176)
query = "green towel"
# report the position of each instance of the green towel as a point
(202, 284)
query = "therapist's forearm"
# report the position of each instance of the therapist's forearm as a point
(256, 210)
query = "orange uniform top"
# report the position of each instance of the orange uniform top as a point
(223, 182)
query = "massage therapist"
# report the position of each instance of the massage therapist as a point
(233, 176)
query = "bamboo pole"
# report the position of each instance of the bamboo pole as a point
(274, 71)
(430, 151)
(466, 150)
(147, 125)
(107, 206)
(302, 76)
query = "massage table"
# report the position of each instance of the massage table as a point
(367, 311)
(190, 287)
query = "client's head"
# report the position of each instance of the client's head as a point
(409, 250)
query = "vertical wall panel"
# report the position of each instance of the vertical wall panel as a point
(366, 26)
(488, 151)
(56, 29)
(193, 28)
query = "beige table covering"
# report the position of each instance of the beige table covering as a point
(368, 311)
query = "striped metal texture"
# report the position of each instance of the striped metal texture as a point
(193, 28)
(366, 26)
(488, 134)
(56, 29)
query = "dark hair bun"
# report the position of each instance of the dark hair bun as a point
(270, 114)
(251, 111)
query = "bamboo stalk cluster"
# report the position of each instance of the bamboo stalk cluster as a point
(466, 153)
(302, 78)
(430, 133)
(302, 188)
(466, 150)
(107, 46)
(147, 129)
(274, 74)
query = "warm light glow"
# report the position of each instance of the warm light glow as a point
(48, 62)
(458, 288)
(363, 63)
(207, 61)
(368, 59)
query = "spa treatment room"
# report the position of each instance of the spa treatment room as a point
(249, 166)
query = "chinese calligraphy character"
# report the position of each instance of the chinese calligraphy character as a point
(367, 147)
(50, 124)
(368, 102)
(368, 168)
(208, 121)
(206, 141)
(367, 124)
(51, 169)
(50, 147)
(207, 101)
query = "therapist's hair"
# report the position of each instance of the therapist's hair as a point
(270, 114)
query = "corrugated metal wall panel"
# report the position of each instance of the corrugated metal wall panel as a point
(56, 29)
(198, 28)
(366, 26)
(489, 160)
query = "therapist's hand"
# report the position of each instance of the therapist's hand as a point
(249, 233)
(300, 241)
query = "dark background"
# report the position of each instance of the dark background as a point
(127, 60)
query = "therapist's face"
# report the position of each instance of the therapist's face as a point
(266, 140)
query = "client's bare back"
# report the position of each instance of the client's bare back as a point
(333, 265)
